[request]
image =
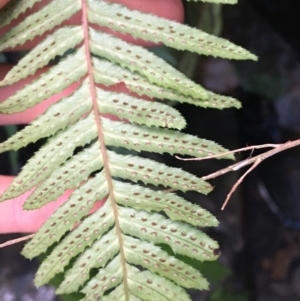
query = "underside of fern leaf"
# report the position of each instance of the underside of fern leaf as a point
(121, 240)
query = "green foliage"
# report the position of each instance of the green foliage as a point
(115, 252)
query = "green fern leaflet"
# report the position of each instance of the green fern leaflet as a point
(121, 239)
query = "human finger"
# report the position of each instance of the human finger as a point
(14, 219)
(3, 2)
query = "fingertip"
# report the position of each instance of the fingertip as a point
(14, 219)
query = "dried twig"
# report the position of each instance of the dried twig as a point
(255, 161)
(237, 184)
(263, 156)
(15, 241)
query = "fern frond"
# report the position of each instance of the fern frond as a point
(69, 175)
(109, 74)
(177, 208)
(52, 120)
(155, 29)
(157, 140)
(120, 239)
(50, 156)
(40, 22)
(13, 9)
(150, 172)
(55, 44)
(84, 235)
(122, 105)
(149, 286)
(102, 282)
(101, 252)
(182, 238)
(139, 111)
(66, 216)
(138, 59)
(160, 262)
(54, 81)
(118, 295)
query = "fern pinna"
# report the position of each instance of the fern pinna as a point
(121, 240)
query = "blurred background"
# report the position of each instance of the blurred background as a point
(259, 230)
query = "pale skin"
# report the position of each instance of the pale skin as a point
(13, 219)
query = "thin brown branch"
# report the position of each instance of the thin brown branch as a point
(263, 156)
(255, 161)
(15, 241)
(243, 149)
(240, 180)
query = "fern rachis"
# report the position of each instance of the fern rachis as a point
(120, 239)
